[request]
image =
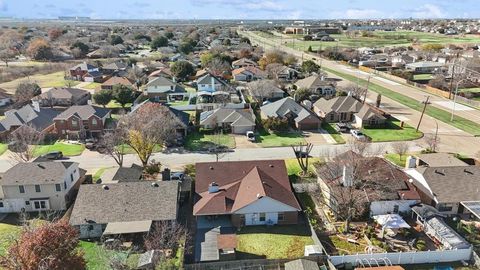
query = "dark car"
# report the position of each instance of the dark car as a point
(343, 127)
(54, 155)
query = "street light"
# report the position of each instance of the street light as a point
(455, 98)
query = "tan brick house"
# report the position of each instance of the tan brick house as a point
(81, 121)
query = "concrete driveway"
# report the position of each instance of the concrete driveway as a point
(317, 137)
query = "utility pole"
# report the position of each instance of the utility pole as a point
(366, 90)
(423, 112)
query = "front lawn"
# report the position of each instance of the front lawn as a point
(8, 233)
(422, 77)
(127, 149)
(293, 168)
(337, 136)
(200, 141)
(277, 242)
(392, 131)
(113, 104)
(280, 139)
(92, 86)
(66, 148)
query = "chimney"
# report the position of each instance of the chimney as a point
(36, 105)
(213, 187)
(411, 162)
(347, 176)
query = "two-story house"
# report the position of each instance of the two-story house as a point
(39, 186)
(160, 88)
(210, 83)
(81, 121)
(79, 71)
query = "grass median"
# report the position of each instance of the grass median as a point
(439, 114)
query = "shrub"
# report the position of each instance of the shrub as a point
(153, 167)
(275, 124)
(189, 170)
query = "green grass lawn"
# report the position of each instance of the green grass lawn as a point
(3, 148)
(392, 132)
(7, 234)
(67, 149)
(395, 159)
(442, 115)
(277, 242)
(345, 247)
(97, 257)
(280, 139)
(200, 141)
(422, 77)
(179, 103)
(129, 150)
(92, 86)
(98, 174)
(337, 136)
(294, 169)
(113, 104)
(55, 79)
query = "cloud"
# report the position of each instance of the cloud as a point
(428, 11)
(357, 14)
(3, 6)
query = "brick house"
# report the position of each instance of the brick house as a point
(79, 71)
(81, 121)
(247, 192)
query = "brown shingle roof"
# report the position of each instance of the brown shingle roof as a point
(118, 80)
(240, 184)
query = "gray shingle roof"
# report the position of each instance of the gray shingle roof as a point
(26, 115)
(35, 173)
(312, 81)
(162, 81)
(62, 93)
(239, 117)
(301, 264)
(83, 112)
(123, 202)
(338, 104)
(285, 106)
(367, 111)
(132, 174)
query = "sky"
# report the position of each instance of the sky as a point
(241, 9)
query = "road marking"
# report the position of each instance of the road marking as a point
(449, 105)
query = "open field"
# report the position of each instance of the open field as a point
(381, 39)
(45, 81)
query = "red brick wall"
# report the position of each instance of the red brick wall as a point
(67, 125)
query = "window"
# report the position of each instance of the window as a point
(395, 208)
(21, 189)
(90, 227)
(71, 177)
(332, 117)
(94, 121)
(65, 184)
(27, 202)
(262, 216)
(40, 205)
(58, 187)
(37, 188)
(74, 123)
(1, 204)
(281, 216)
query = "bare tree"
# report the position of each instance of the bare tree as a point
(217, 148)
(302, 153)
(114, 144)
(354, 90)
(166, 236)
(24, 141)
(262, 89)
(365, 148)
(218, 67)
(432, 141)
(400, 148)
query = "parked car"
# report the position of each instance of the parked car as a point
(177, 176)
(357, 134)
(54, 155)
(250, 136)
(343, 127)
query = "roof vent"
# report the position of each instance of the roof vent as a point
(105, 187)
(40, 166)
(467, 171)
(440, 172)
(259, 196)
(271, 165)
(154, 184)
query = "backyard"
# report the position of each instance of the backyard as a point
(202, 141)
(67, 149)
(392, 131)
(277, 242)
(99, 258)
(7, 235)
(55, 79)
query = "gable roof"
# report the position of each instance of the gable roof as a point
(125, 174)
(243, 62)
(83, 112)
(118, 80)
(62, 93)
(312, 81)
(83, 66)
(27, 115)
(36, 173)
(338, 104)
(301, 264)
(162, 81)
(240, 184)
(237, 117)
(117, 65)
(441, 160)
(249, 69)
(207, 79)
(284, 107)
(367, 112)
(124, 202)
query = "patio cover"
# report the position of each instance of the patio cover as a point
(473, 207)
(391, 221)
(128, 227)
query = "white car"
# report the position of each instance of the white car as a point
(250, 136)
(357, 134)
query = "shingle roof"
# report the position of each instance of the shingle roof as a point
(118, 80)
(311, 81)
(61, 93)
(36, 173)
(240, 184)
(441, 160)
(367, 111)
(83, 112)
(285, 106)
(39, 120)
(83, 66)
(132, 174)
(338, 104)
(237, 117)
(162, 81)
(117, 65)
(301, 264)
(123, 202)
(243, 62)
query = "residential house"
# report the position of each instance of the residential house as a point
(247, 74)
(5, 98)
(83, 121)
(110, 83)
(424, 67)
(117, 68)
(385, 188)
(239, 121)
(247, 192)
(285, 73)
(401, 60)
(79, 71)
(267, 91)
(244, 62)
(338, 109)
(41, 119)
(210, 83)
(93, 76)
(300, 117)
(125, 209)
(317, 85)
(63, 97)
(39, 186)
(161, 88)
(369, 116)
(161, 71)
(447, 188)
